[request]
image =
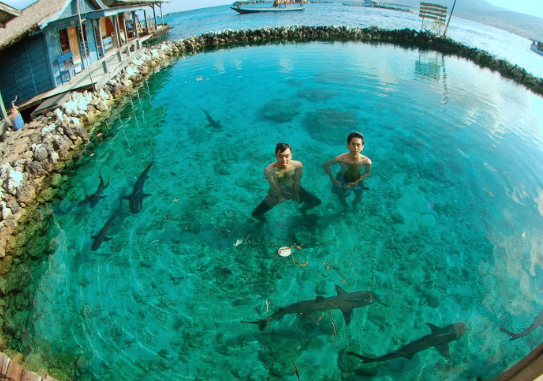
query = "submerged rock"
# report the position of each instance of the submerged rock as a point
(280, 110)
(330, 124)
(316, 94)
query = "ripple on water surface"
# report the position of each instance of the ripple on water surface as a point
(447, 233)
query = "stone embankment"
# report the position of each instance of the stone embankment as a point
(33, 157)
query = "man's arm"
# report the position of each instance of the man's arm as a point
(366, 173)
(326, 167)
(297, 181)
(270, 172)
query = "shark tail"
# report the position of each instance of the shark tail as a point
(513, 335)
(363, 358)
(263, 323)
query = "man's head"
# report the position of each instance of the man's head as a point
(355, 135)
(283, 154)
(355, 142)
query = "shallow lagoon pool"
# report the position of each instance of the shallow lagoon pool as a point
(449, 230)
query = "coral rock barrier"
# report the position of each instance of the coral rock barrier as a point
(34, 157)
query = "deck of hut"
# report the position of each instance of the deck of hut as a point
(11, 370)
(92, 78)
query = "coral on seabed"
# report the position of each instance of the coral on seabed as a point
(321, 123)
(280, 110)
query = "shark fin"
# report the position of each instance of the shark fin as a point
(433, 327)
(340, 291)
(107, 239)
(347, 315)
(443, 350)
(146, 195)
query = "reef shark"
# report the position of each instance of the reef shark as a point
(96, 196)
(102, 234)
(439, 338)
(344, 301)
(216, 125)
(135, 199)
(538, 322)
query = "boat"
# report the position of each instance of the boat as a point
(282, 8)
(537, 47)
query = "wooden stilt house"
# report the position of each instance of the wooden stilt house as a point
(54, 41)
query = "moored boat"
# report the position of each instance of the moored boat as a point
(278, 9)
(537, 47)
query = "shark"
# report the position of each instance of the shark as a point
(538, 322)
(102, 234)
(345, 301)
(216, 125)
(439, 338)
(135, 199)
(93, 199)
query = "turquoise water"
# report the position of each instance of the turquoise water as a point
(502, 44)
(448, 232)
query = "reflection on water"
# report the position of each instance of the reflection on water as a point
(446, 239)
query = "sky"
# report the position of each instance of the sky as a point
(532, 7)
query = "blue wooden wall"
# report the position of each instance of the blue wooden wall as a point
(71, 9)
(24, 70)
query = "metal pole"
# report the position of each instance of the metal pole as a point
(449, 20)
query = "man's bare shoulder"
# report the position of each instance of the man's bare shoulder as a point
(343, 158)
(365, 160)
(296, 164)
(271, 168)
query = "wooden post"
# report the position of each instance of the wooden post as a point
(154, 17)
(3, 112)
(137, 32)
(161, 17)
(118, 38)
(146, 23)
(124, 28)
(101, 39)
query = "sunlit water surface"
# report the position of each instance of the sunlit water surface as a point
(450, 230)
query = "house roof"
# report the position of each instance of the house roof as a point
(7, 14)
(32, 17)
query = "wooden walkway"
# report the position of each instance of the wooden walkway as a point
(93, 78)
(10, 370)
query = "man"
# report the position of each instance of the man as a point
(349, 177)
(284, 177)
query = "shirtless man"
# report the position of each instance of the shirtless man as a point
(349, 177)
(284, 177)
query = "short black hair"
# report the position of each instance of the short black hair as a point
(355, 135)
(282, 147)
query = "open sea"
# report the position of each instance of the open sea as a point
(448, 232)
